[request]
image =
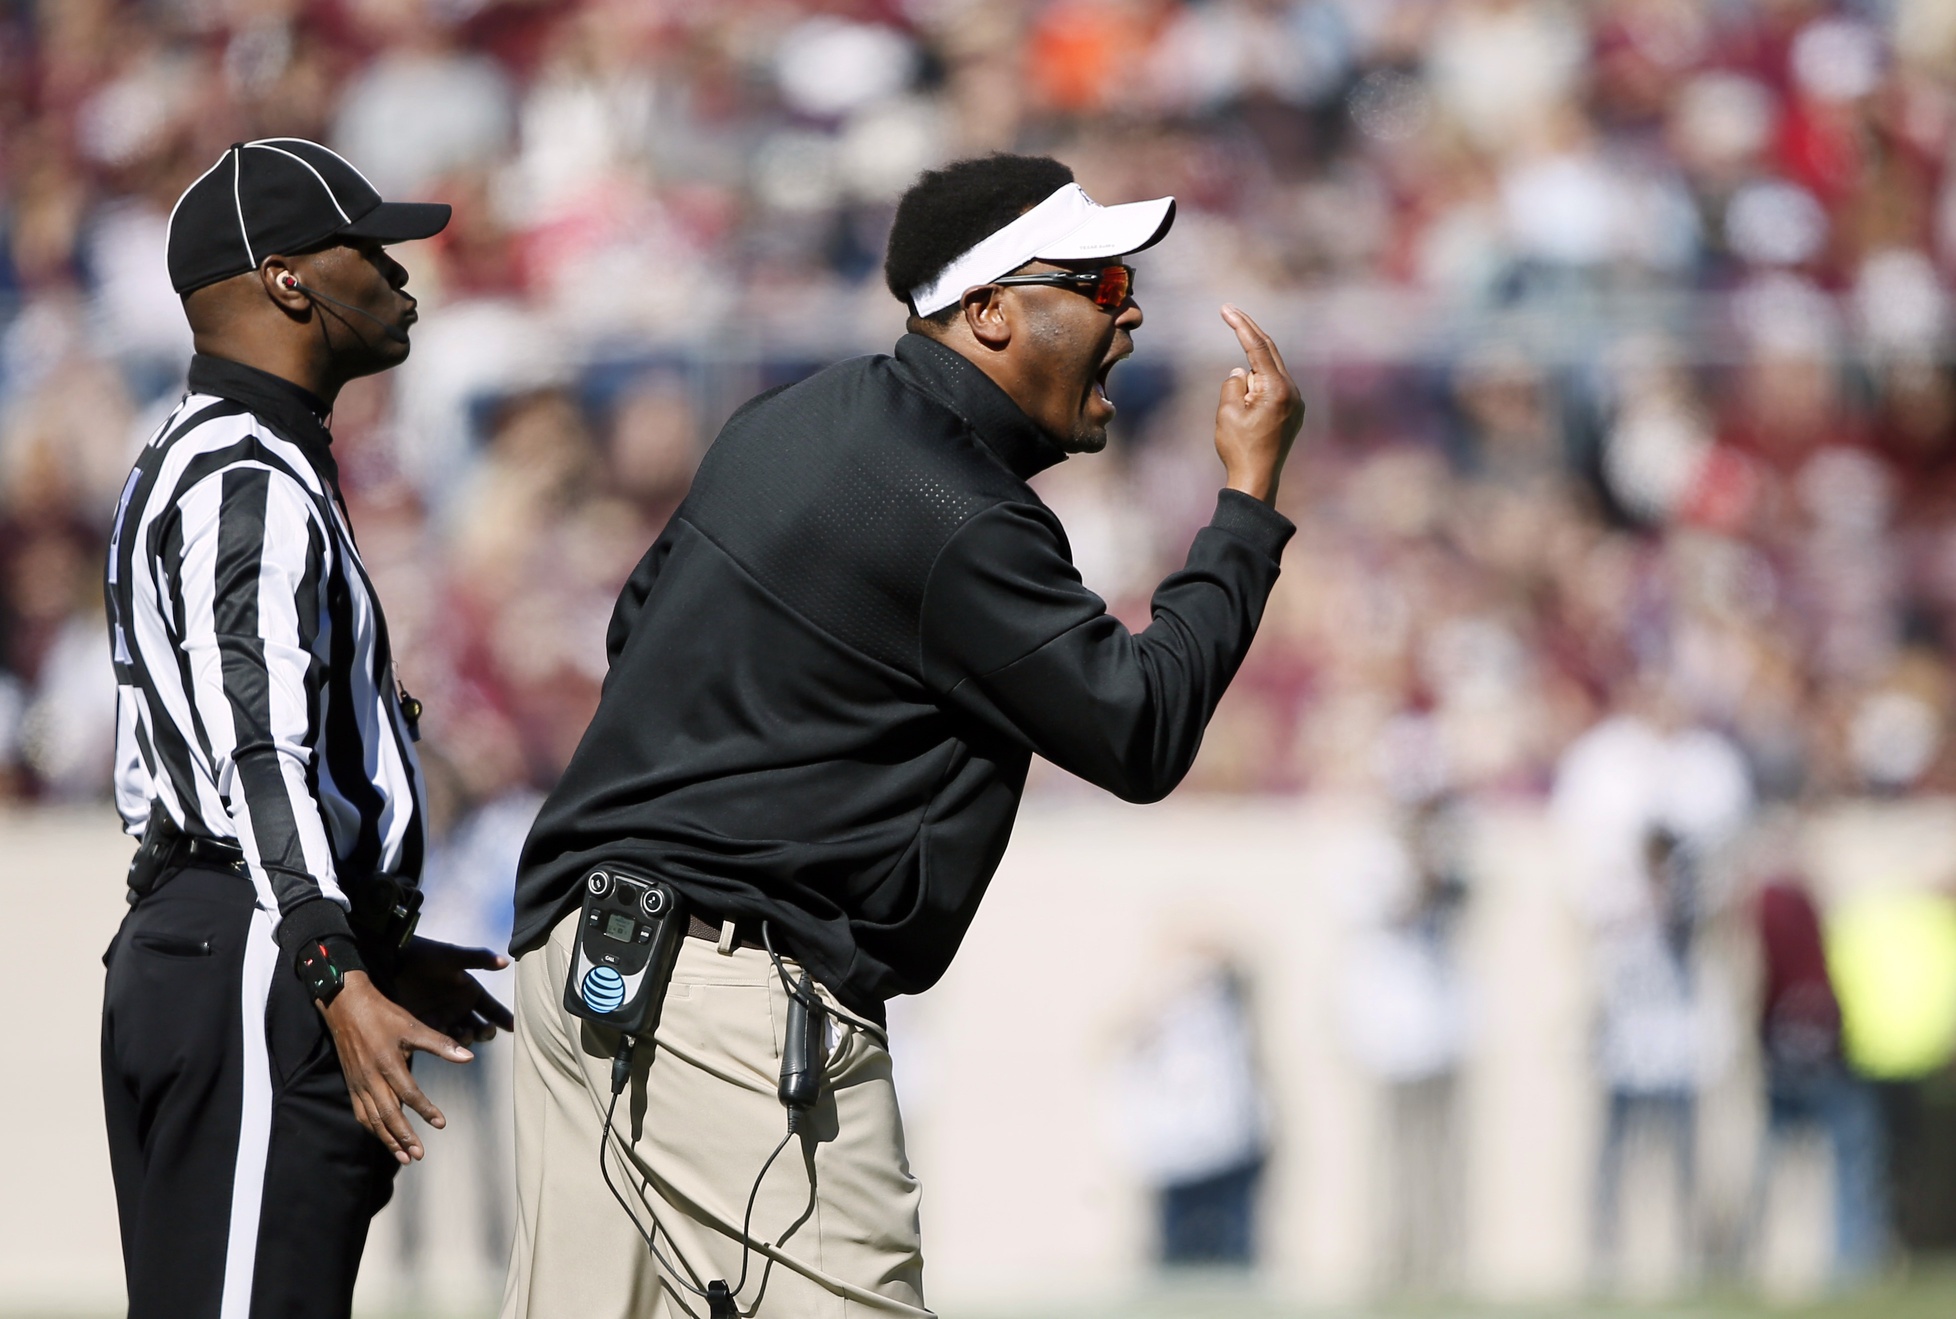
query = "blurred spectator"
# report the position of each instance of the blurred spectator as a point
(1634, 779)
(1192, 1110)
(1808, 1082)
(1407, 1014)
(1651, 1047)
(422, 107)
(1892, 954)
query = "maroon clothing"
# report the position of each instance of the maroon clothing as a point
(1799, 1020)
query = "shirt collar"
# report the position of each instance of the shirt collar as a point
(296, 413)
(1013, 437)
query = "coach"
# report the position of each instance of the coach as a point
(828, 678)
(263, 993)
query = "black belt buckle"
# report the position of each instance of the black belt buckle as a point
(218, 853)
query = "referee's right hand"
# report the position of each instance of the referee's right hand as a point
(374, 1037)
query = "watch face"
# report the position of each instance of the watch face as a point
(323, 980)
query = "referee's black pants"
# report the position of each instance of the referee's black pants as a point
(243, 1181)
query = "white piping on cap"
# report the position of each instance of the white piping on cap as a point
(237, 164)
(329, 151)
(330, 195)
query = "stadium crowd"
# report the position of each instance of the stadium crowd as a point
(1715, 488)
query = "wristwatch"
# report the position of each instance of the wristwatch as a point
(322, 966)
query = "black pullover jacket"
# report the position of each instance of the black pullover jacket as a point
(829, 674)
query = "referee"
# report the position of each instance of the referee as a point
(264, 993)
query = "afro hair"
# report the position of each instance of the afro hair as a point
(949, 211)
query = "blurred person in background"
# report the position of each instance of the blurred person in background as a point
(1808, 1081)
(1651, 1041)
(1194, 1118)
(1406, 1015)
(1891, 953)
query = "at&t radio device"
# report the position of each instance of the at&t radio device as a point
(628, 937)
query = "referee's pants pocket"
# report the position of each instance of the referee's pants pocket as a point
(297, 1039)
(172, 989)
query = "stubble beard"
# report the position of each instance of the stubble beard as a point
(1086, 437)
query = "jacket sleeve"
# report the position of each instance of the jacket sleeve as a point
(251, 594)
(1013, 637)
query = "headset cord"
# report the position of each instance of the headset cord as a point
(747, 1220)
(621, 1070)
(809, 1000)
(718, 1296)
(806, 997)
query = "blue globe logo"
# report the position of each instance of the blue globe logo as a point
(604, 989)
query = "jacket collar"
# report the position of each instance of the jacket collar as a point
(294, 412)
(1000, 425)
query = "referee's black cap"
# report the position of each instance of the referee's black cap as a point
(277, 196)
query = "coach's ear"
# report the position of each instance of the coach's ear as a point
(987, 317)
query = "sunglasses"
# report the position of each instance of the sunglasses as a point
(1110, 287)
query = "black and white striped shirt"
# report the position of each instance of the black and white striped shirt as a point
(256, 698)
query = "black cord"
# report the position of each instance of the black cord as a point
(808, 1001)
(747, 1220)
(620, 1072)
(716, 1293)
(604, 1167)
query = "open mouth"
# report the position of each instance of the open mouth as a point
(1100, 379)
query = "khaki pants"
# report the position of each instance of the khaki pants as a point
(835, 1225)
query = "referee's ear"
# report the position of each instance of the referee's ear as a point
(281, 285)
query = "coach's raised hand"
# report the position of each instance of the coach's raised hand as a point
(1259, 414)
(374, 1036)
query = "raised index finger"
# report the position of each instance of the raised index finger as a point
(1259, 347)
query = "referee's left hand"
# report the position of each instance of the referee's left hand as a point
(433, 982)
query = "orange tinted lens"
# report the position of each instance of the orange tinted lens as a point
(1116, 282)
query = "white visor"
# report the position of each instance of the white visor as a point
(1067, 226)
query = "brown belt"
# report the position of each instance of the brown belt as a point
(747, 934)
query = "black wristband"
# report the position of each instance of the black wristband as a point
(322, 966)
(308, 923)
